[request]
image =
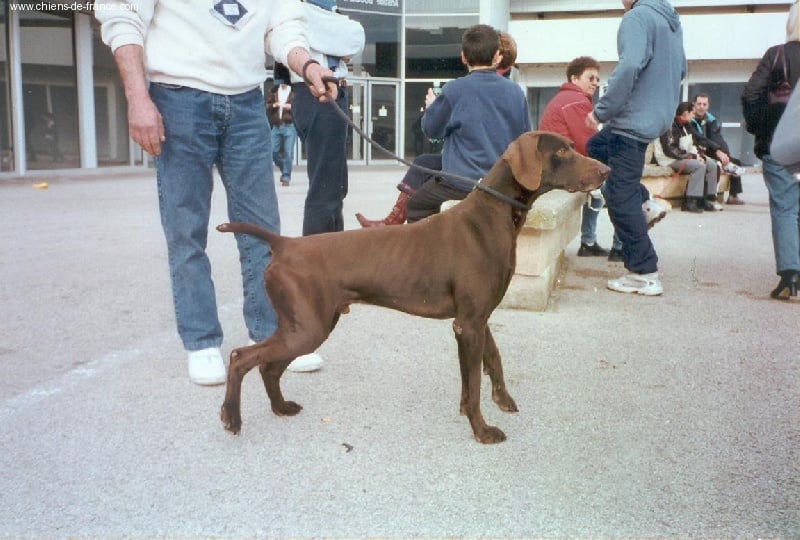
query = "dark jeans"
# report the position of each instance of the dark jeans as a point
(623, 196)
(324, 135)
(415, 178)
(429, 198)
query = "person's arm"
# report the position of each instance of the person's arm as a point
(145, 124)
(632, 50)
(287, 41)
(299, 60)
(437, 115)
(574, 117)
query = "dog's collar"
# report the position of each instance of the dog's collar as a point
(500, 196)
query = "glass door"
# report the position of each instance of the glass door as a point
(356, 145)
(384, 120)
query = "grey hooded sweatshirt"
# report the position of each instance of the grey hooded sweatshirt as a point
(644, 88)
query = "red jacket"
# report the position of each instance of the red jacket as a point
(565, 114)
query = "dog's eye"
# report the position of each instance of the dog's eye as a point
(563, 151)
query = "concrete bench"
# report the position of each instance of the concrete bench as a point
(552, 223)
(661, 183)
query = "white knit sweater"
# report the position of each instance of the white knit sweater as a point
(186, 43)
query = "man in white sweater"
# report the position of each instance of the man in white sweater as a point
(193, 75)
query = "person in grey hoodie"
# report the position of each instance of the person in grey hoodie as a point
(638, 106)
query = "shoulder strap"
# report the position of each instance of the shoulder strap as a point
(780, 55)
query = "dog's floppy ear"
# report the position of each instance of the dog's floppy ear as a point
(524, 158)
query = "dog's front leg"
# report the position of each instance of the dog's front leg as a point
(470, 339)
(271, 376)
(493, 365)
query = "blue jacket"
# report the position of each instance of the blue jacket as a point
(644, 88)
(477, 116)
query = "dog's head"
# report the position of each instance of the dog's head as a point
(541, 161)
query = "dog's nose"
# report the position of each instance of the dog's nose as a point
(604, 171)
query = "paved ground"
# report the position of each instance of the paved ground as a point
(676, 416)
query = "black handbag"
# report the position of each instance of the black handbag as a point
(780, 89)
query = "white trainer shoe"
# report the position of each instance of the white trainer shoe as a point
(302, 364)
(206, 367)
(646, 284)
(735, 169)
(306, 363)
(653, 212)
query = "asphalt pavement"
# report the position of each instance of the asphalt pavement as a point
(667, 417)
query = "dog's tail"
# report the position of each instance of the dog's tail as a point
(269, 237)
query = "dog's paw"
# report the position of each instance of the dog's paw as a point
(504, 401)
(287, 408)
(231, 420)
(490, 435)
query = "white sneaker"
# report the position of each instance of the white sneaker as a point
(735, 169)
(306, 363)
(302, 364)
(653, 212)
(646, 284)
(206, 367)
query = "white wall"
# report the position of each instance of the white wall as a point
(706, 37)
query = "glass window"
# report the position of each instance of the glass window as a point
(110, 107)
(725, 103)
(49, 88)
(6, 141)
(381, 56)
(537, 101)
(433, 45)
(442, 6)
(416, 142)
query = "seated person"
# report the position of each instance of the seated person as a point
(477, 117)
(676, 148)
(708, 137)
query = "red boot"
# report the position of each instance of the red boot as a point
(397, 216)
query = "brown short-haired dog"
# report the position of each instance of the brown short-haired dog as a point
(418, 269)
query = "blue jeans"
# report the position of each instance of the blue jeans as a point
(202, 130)
(589, 220)
(622, 191)
(283, 139)
(324, 135)
(784, 210)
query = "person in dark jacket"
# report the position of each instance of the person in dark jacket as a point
(678, 144)
(708, 137)
(282, 130)
(779, 63)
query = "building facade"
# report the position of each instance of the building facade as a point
(62, 106)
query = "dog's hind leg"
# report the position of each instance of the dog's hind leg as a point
(471, 336)
(241, 361)
(493, 365)
(271, 354)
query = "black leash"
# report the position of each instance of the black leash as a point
(433, 172)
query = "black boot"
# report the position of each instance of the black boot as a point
(787, 286)
(693, 204)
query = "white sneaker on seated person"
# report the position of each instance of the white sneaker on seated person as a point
(302, 364)
(735, 169)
